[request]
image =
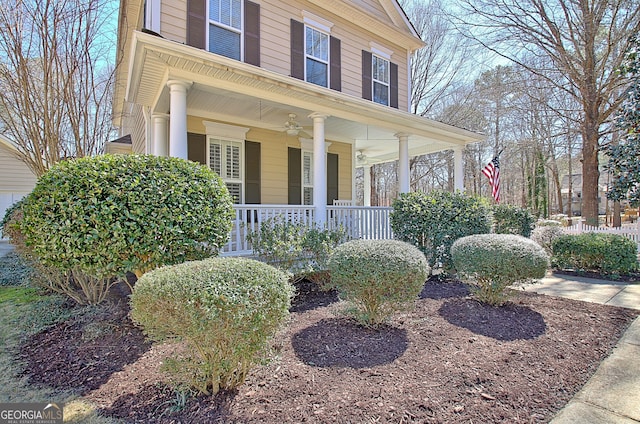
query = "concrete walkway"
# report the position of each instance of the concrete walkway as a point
(612, 395)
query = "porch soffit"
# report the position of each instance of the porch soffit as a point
(227, 90)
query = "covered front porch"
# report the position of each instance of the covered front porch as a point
(188, 94)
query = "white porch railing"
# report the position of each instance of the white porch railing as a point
(358, 222)
(631, 232)
(361, 222)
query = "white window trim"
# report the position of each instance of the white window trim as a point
(307, 56)
(316, 22)
(381, 51)
(153, 15)
(374, 80)
(310, 184)
(226, 135)
(227, 27)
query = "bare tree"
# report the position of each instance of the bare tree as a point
(56, 78)
(585, 40)
(446, 56)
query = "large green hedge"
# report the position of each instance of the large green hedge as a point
(106, 215)
(606, 253)
(433, 221)
(225, 309)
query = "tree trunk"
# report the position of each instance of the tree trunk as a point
(590, 172)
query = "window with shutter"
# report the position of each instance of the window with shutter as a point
(225, 158)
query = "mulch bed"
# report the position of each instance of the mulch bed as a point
(451, 360)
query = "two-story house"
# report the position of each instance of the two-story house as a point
(283, 99)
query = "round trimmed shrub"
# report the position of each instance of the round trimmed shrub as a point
(600, 252)
(379, 276)
(106, 215)
(545, 235)
(225, 309)
(490, 263)
(433, 221)
(510, 219)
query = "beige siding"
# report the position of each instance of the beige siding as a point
(275, 43)
(16, 179)
(274, 161)
(275, 40)
(173, 20)
(137, 127)
(15, 176)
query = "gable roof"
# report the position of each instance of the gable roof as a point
(396, 28)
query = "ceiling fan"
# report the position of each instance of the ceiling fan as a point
(293, 128)
(361, 158)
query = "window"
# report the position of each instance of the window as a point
(380, 77)
(225, 159)
(225, 28)
(316, 56)
(307, 178)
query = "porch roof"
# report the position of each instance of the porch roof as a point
(235, 92)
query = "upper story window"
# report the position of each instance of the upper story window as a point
(380, 77)
(317, 56)
(225, 28)
(315, 53)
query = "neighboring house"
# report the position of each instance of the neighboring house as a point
(16, 179)
(284, 99)
(576, 191)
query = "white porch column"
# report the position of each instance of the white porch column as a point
(160, 133)
(403, 163)
(319, 168)
(458, 176)
(367, 185)
(178, 118)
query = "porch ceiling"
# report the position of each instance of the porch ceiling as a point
(234, 92)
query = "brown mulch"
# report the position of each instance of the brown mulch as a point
(451, 360)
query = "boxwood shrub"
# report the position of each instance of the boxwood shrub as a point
(433, 221)
(301, 249)
(490, 263)
(225, 309)
(600, 252)
(510, 219)
(378, 276)
(106, 215)
(544, 235)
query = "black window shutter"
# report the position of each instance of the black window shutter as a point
(252, 193)
(366, 75)
(251, 33)
(393, 85)
(297, 49)
(295, 176)
(196, 23)
(197, 148)
(332, 178)
(336, 64)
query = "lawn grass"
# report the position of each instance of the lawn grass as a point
(26, 311)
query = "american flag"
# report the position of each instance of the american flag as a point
(492, 171)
